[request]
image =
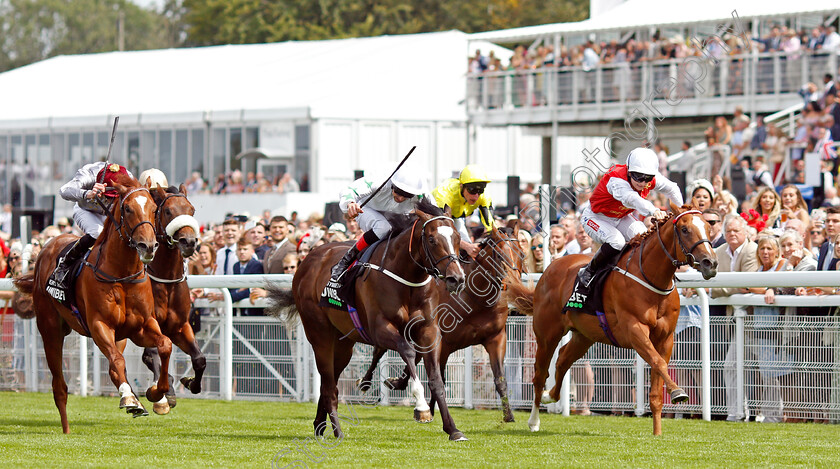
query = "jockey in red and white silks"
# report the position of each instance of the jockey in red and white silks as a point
(618, 205)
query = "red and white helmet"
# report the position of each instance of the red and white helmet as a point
(643, 160)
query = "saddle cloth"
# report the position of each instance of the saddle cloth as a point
(66, 297)
(588, 302)
(341, 295)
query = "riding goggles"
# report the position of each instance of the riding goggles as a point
(639, 177)
(402, 193)
(475, 188)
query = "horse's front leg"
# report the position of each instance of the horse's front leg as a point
(432, 361)
(185, 340)
(389, 336)
(103, 337)
(151, 336)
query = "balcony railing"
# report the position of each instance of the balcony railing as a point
(619, 86)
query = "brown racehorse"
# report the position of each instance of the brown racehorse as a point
(177, 232)
(641, 306)
(113, 295)
(393, 314)
(475, 316)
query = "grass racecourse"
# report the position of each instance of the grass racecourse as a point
(203, 433)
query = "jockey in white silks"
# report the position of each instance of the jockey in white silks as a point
(618, 201)
(400, 194)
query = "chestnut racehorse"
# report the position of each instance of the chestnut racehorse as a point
(177, 232)
(475, 316)
(641, 306)
(395, 308)
(113, 296)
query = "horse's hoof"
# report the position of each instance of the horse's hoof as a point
(457, 436)
(547, 399)
(364, 386)
(171, 400)
(192, 384)
(141, 412)
(508, 418)
(129, 402)
(678, 395)
(396, 384)
(161, 408)
(422, 416)
(534, 428)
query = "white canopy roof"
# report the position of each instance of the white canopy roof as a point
(409, 77)
(658, 13)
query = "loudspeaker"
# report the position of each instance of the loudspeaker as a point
(739, 182)
(679, 177)
(332, 214)
(41, 218)
(513, 191)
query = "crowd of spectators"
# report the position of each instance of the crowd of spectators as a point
(235, 182)
(594, 53)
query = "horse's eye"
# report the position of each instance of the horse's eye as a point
(167, 212)
(128, 209)
(684, 230)
(432, 240)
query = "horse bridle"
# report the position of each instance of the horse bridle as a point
(169, 241)
(103, 276)
(502, 257)
(687, 253)
(433, 270)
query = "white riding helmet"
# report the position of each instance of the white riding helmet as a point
(643, 160)
(409, 180)
(156, 176)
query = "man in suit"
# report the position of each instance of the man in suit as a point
(737, 255)
(273, 260)
(712, 216)
(226, 256)
(832, 229)
(247, 264)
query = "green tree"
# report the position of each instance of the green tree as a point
(211, 22)
(34, 30)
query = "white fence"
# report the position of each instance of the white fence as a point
(783, 366)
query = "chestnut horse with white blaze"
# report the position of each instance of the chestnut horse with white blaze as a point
(641, 306)
(113, 297)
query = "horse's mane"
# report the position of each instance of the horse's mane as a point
(401, 222)
(656, 224)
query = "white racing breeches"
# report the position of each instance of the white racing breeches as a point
(89, 222)
(608, 230)
(370, 219)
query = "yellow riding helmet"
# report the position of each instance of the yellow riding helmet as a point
(473, 173)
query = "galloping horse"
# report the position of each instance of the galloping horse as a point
(474, 315)
(641, 306)
(113, 296)
(177, 232)
(395, 308)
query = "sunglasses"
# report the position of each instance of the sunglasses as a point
(713, 222)
(816, 232)
(538, 246)
(14, 258)
(402, 193)
(475, 190)
(639, 177)
(288, 267)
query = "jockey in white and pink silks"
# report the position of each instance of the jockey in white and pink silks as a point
(618, 203)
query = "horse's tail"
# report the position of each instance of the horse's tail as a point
(22, 299)
(281, 302)
(518, 295)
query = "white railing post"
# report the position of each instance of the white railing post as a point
(226, 365)
(705, 357)
(97, 373)
(640, 386)
(468, 377)
(545, 220)
(384, 391)
(740, 314)
(30, 359)
(83, 366)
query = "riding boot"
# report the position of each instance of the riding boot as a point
(602, 258)
(344, 263)
(62, 270)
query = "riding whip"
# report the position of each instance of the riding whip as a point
(110, 145)
(389, 177)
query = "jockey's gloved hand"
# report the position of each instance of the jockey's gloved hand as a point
(97, 190)
(659, 214)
